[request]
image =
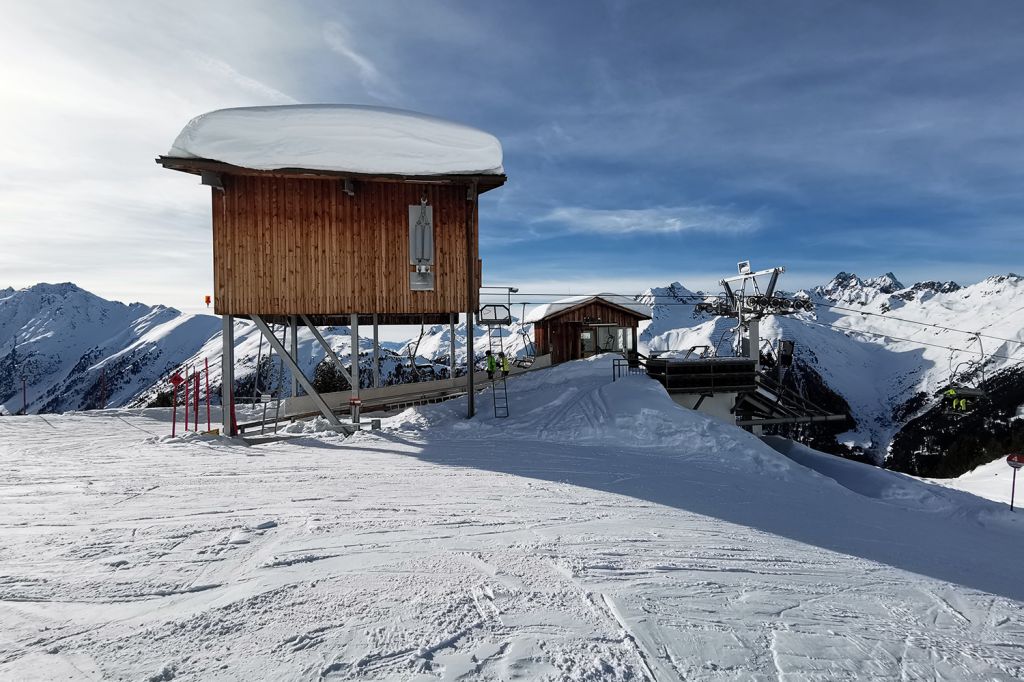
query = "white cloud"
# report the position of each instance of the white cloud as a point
(221, 69)
(339, 40)
(90, 94)
(660, 220)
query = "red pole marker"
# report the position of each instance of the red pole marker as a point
(175, 381)
(207, 363)
(187, 382)
(195, 401)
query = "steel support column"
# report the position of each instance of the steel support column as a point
(296, 372)
(227, 374)
(451, 345)
(293, 323)
(376, 353)
(354, 326)
(754, 350)
(754, 342)
(472, 287)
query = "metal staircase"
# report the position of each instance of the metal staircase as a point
(499, 391)
(495, 317)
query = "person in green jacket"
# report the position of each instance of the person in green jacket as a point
(959, 404)
(492, 365)
(505, 365)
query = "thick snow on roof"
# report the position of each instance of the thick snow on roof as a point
(542, 311)
(339, 137)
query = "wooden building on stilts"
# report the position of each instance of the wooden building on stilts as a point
(339, 215)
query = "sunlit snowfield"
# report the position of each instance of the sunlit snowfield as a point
(599, 533)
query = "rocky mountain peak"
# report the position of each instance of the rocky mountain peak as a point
(849, 288)
(886, 284)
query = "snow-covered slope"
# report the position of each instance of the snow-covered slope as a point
(77, 350)
(993, 481)
(599, 533)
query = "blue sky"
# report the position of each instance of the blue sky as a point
(645, 142)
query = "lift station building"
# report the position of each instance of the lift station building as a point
(582, 326)
(339, 215)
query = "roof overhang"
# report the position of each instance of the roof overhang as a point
(603, 301)
(484, 182)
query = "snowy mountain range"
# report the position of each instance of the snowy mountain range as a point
(77, 351)
(875, 348)
(887, 350)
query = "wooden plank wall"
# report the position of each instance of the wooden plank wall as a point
(286, 246)
(597, 310)
(559, 334)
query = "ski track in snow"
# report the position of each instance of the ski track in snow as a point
(408, 555)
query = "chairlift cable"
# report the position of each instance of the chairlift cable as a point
(700, 298)
(900, 338)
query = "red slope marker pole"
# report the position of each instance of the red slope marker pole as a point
(195, 413)
(187, 382)
(174, 410)
(207, 363)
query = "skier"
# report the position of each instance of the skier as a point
(954, 401)
(959, 404)
(491, 365)
(504, 364)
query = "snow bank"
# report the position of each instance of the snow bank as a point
(886, 486)
(577, 403)
(316, 426)
(337, 137)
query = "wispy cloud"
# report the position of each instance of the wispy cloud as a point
(659, 220)
(222, 70)
(339, 40)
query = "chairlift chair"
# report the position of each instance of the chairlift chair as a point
(959, 399)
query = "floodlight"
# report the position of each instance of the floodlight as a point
(743, 267)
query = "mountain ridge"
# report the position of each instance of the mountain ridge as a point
(880, 347)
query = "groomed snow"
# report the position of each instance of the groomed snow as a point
(339, 137)
(599, 533)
